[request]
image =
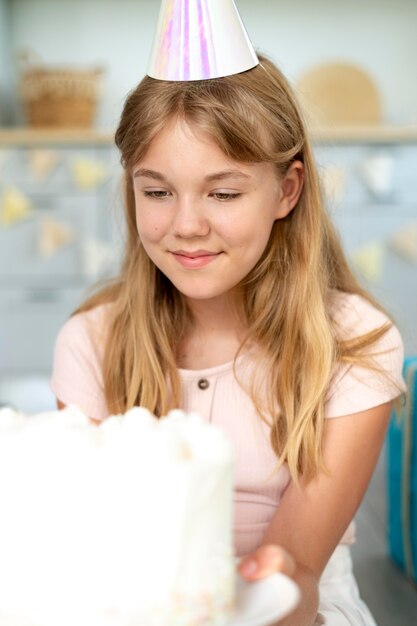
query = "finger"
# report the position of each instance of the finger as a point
(265, 561)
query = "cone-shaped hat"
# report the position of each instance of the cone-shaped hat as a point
(200, 39)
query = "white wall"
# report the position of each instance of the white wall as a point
(378, 34)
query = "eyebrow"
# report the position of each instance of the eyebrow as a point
(210, 178)
(149, 174)
(226, 174)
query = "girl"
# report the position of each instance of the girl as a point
(235, 300)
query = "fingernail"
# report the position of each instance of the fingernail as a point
(249, 567)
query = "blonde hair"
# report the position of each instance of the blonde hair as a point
(253, 117)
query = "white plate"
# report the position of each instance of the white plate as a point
(265, 601)
(259, 603)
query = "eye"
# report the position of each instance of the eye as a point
(157, 194)
(225, 197)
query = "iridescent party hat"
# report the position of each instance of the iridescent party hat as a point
(199, 40)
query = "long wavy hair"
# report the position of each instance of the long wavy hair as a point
(253, 117)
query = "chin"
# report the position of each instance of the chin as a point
(198, 292)
(199, 295)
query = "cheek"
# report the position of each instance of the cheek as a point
(252, 234)
(150, 225)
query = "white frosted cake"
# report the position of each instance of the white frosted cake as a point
(128, 523)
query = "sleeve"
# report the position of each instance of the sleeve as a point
(77, 377)
(355, 388)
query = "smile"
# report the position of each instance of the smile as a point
(195, 260)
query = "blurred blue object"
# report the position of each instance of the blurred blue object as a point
(402, 478)
(29, 394)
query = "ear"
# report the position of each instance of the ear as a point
(291, 187)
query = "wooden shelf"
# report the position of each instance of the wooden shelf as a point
(378, 134)
(67, 137)
(382, 134)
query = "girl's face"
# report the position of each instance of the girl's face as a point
(204, 219)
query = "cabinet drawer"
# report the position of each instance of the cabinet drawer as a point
(20, 256)
(29, 324)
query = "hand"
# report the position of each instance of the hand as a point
(267, 560)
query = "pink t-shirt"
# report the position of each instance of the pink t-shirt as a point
(77, 379)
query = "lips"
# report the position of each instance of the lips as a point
(196, 254)
(196, 259)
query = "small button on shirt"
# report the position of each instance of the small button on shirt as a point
(203, 383)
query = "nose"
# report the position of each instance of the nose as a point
(189, 219)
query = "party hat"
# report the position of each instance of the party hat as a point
(199, 40)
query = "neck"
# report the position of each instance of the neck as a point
(216, 314)
(214, 336)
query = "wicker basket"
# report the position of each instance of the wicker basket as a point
(60, 97)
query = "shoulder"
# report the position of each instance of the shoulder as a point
(82, 339)
(353, 314)
(77, 375)
(375, 377)
(87, 326)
